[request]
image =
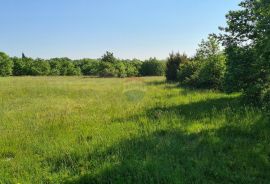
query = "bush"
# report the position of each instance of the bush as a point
(239, 68)
(40, 67)
(64, 67)
(55, 66)
(172, 65)
(208, 68)
(133, 67)
(211, 73)
(107, 66)
(88, 66)
(6, 65)
(188, 73)
(153, 67)
(18, 67)
(107, 69)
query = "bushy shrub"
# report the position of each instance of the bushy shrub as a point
(173, 64)
(18, 66)
(153, 67)
(188, 73)
(132, 67)
(107, 66)
(207, 70)
(107, 69)
(64, 67)
(55, 66)
(40, 67)
(88, 66)
(211, 73)
(6, 65)
(239, 67)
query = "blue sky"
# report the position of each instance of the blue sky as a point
(88, 28)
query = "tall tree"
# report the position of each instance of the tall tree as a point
(247, 37)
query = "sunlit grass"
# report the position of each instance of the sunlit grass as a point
(139, 130)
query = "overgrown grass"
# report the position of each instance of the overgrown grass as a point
(88, 130)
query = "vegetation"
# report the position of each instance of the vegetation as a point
(141, 130)
(207, 68)
(246, 39)
(173, 64)
(106, 66)
(152, 67)
(195, 129)
(5, 65)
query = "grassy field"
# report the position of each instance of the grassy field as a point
(139, 130)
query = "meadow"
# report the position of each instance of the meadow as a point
(132, 130)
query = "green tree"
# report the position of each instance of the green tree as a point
(6, 65)
(108, 57)
(249, 30)
(209, 48)
(207, 69)
(172, 65)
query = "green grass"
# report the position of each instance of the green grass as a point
(89, 130)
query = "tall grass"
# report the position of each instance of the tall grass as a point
(137, 130)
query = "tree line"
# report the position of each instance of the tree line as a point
(106, 66)
(244, 63)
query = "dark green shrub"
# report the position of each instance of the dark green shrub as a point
(63, 66)
(91, 68)
(153, 67)
(55, 66)
(107, 66)
(172, 65)
(109, 58)
(211, 73)
(208, 68)
(40, 67)
(88, 66)
(18, 67)
(6, 65)
(239, 68)
(107, 69)
(188, 73)
(133, 67)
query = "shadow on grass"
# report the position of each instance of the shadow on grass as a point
(230, 154)
(196, 110)
(166, 85)
(209, 108)
(226, 155)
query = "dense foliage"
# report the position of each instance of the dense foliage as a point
(173, 64)
(5, 65)
(153, 67)
(207, 68)
(106, 66)
(247, 42)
